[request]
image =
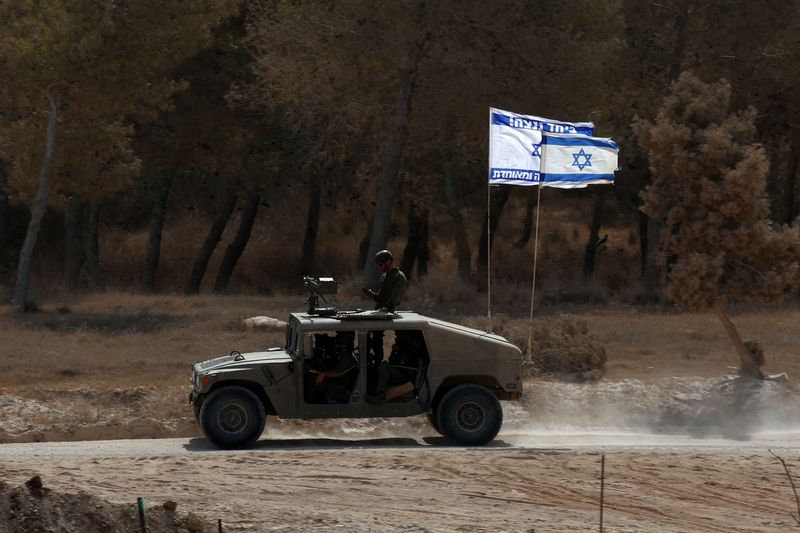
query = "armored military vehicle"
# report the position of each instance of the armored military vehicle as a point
(332, 361)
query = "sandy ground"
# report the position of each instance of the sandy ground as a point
(116, 366)
(408, 485)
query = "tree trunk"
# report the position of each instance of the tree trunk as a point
(210, 244)
(453, 205)
(3, 203)
(652, 228)
(748, 365)
(73, 221)
(237, 245)
(97, 273)
(423, 254)
(416, 250)
(642, 230)
(790, 187)
(37, 213)
(389, 183)
(363, 250)
(527, 226)
(155, 228)
(653, 233)
(498, 202)
(681, 23)
(312, 225)
(594, 242)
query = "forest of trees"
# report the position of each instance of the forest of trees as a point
(155, 145)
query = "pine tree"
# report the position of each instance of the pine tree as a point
(709, 185)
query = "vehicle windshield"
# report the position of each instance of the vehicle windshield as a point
(291, 340)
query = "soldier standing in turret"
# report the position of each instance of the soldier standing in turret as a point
(393, 283)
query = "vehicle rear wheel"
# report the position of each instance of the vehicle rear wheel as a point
(232, 417)
(470, 415)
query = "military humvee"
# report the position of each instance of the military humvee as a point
(460, 376)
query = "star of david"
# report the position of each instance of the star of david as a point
(576, 160)
(536, 150)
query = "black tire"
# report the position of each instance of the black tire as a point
(432, 418)
(196, 406)
(470, 415)
(232, 417)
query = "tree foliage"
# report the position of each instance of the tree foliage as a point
(709, 185)
(102, 66)
(321, 104)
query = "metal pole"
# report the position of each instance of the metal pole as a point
(489, 254)
(489, 230)
(536, 248)
(142, 521)
(602, 488)
(533, 281)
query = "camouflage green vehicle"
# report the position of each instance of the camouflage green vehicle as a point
(455, 374)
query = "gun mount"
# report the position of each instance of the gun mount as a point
(317, 288)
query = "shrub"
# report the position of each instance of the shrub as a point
(563, 346)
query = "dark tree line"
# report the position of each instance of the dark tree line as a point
(366, 122)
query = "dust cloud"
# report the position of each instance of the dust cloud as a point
(730, 408)
(690, 406)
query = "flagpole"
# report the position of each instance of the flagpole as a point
(489, 231)
(533, 281)
(536, 248)
(489, 253)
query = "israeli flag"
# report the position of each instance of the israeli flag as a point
(575, 161)
(515, 145)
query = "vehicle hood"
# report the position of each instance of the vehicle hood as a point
(236, 359)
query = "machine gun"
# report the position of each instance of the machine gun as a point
(317, 288)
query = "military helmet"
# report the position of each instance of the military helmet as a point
(383, 256)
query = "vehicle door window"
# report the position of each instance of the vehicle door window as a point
(400, 370)
(331, 373)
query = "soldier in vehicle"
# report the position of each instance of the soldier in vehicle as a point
(335, 385)
(324, 358)
(393, 283)
(401, 368)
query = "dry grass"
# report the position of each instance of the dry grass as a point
(145, 340)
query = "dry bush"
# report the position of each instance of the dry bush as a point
(442, 288)
(562, 346)
(563, 234)
(123, 253)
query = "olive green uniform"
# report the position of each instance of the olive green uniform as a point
(393, 285)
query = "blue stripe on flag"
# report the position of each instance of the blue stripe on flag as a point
(579, 141)
(498, 119)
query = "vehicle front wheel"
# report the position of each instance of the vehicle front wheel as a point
(196, 406)
(433, 419)
(232, 417)
(470, 415)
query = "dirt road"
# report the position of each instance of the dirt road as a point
(524, 481)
